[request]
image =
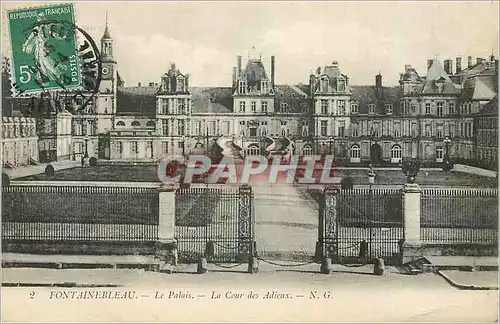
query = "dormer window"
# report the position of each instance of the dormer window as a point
(265, 87)
(180, 84)
(324, 84)
(242, 87)
(371, 108)
(388, 109)
(283, 106)
(354, 108)
(341, 85)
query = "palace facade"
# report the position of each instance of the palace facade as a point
(425, 116)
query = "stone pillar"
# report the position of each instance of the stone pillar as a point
(411, 214)
(166, 223)
(166, 246)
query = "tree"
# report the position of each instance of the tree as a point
(6, 86)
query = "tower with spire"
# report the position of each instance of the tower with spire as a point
(106, 101)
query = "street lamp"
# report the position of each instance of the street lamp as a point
(85, 160)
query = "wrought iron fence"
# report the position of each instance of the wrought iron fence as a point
(207, 223)
(459, 215)
(367, 224)
(63, 212)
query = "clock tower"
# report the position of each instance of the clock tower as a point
(106, 102)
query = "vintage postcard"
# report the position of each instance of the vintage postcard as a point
(286, 161)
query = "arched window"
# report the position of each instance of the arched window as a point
(253, 150)
(307, 150)
(150, 124)
(120, 123)
(396, 154)
(180, 84)
(135, 123)
(355, 154)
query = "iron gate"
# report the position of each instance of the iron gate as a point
(216, 223)
(361, 225)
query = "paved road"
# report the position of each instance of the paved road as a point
(286, 221)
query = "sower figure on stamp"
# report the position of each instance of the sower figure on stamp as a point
(46, 67)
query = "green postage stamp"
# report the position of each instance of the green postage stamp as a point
(44, 49)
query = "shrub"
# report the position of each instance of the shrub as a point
(347, 183)
(93, 161)
(5, 180)
(49, 171)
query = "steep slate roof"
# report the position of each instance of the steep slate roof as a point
(136, 101)
(292, 97)
(366, 95)
(491, 108)
(435, 76)
(410, 74)
(211, 100)
(254, 72)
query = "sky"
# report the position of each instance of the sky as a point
(365, 38)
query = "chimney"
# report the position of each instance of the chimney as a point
(234, 76)
(378, 80)
(479, 60)
(429, 63)
(469, 61)
(407, 67)
(151, 84)
(239, 66)
(311, 82)
(458, 61)
(272, 71)
(138, 84)
(318, 70)
(335, 63)
(172, 67)
(448, 67)
(492, 58)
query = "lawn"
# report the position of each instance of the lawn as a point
(147, 173)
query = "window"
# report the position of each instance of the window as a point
(305, 129)
(253, 105)
(135, 123)
(439, 132)
(307, 150)
(263, 128)
(180, 84)
(78, 126)
(341, 107)
(150, 149)
(439, 154)
(324, 107)
(427, 130)
(253, 150)
(388, 109)
(283, 107)
(462, 109)
(164, 127)
(211, 128)
(197, 128)
(439, 108)
(120, 147)
(181, 127)
(427, 108)
(396, 154)
(265, 88)
(151, 124)
(355, 152)
(264, 106)
(242, 106)
(164, 147)
(134, 149)
(180, 106)
(355, 132)
(225, 127)
(324, 127)
(354, 108)
(324, 84)
(371, 108)
(304, 107)
(397, 130)
(180, 145)
(341, 85)
(451, 108)
(164, 106)
(253, 131)
(469, 106)
(341, 130)
(242, 87)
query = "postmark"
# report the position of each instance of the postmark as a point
(44, 49)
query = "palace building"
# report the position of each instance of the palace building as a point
(442, 113)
